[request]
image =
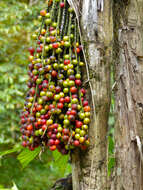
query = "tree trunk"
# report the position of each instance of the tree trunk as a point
(90, 167)
(128, 33)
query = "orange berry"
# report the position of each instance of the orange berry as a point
(87, 109)
(30, 127)
(43, 13)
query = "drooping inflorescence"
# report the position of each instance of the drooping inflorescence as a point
(56, 112)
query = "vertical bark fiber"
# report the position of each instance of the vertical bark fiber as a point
(90, 168)
(128, 33)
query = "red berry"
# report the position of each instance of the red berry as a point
(31, 50)
(54, 73)
(32, 91)
(45, 81)
(60, 105)
(39, 50)
(24, 144)
(78, 82)
(39, 107)
(44, 127)
(76, 143)
(74, 106)
(52, 148)
(72, 77)
(74, 96)
(73, 90)
(66, 131)
(62, 100)
(49, 133)
(78, 50)
(62, 4)
(43, 121)
(57, 142)
(83, 91)
(30, 127)
(66, 61)
(73, 112)
(83, 147)
(55, 131)
(53, 136)
(36, 125)
(58, 89)
(51, 106)
(78, 124)
(31, 148)
(68, 112)
(55, 45)
(82, 99)
(51, 142)
(65, 138)
(55, 125)
(85, 103)
(47, 116)
(40, 86)
(67, 99)
(51, 28)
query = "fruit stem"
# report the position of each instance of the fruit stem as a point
(59, 18)
(62, 28)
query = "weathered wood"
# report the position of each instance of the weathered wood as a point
(90, 168)
(128, 56)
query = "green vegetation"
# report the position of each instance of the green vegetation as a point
(18, 20)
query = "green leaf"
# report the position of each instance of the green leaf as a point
(3, 153)
(60, 162)
(26, 156)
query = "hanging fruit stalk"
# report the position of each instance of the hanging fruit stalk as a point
(56, 113)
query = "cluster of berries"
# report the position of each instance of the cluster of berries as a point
(56, 112)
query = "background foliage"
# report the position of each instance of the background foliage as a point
(17, 21)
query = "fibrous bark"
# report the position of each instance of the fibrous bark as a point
(128, 49)
(90, 167)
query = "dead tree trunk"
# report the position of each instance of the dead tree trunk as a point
(95, 17)
(128, 36)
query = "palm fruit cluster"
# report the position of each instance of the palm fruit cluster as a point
(56, 112)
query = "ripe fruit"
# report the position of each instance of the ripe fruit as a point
(67, 99)
(73, 90)
(78, 82)
(87, 109)
(52, 148)
(30, 127)
(76, 143)
(43, 12)
(60, 105)
(31, 50)
(62, 4)
(55, 45)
